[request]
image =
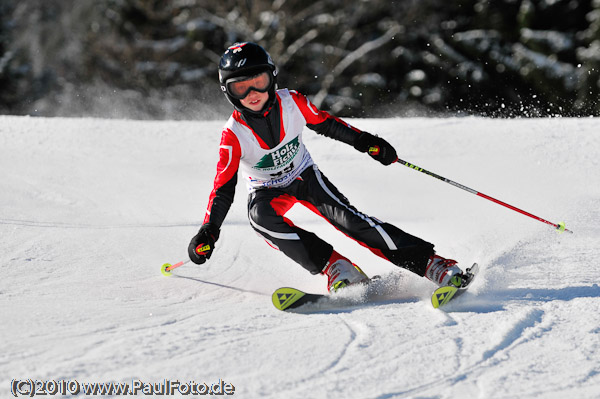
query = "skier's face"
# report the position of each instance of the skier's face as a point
(255, 100)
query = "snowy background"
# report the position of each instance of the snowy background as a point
(90, 209)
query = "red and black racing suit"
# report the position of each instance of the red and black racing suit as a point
(267, 205)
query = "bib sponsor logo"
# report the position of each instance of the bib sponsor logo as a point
(279, 158)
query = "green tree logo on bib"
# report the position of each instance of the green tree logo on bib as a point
(279, 158)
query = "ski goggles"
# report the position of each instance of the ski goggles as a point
(240, 87)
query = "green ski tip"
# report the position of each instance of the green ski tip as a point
(284, 298)
(442, 295)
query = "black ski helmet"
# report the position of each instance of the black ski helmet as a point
(246, 59)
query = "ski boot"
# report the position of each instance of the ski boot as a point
(445, 272)
(341, 272)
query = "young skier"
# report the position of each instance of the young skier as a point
(263, 138)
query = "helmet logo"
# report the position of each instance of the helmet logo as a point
(237, 47)
(241, 62)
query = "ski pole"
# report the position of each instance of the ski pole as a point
(558, 226)
(167, 267)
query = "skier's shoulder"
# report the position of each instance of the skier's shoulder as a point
(295, 98)
(229, 133)
(294, 94)
(310, 112)
(234, 123)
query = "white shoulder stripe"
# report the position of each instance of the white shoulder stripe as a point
(229, 148)
(310, 106)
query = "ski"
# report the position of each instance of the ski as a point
(443, 295)
(286, 298)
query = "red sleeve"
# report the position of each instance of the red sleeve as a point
(312, 114)
(323, 123)
(222, 195)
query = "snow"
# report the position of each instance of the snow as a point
(90, 209)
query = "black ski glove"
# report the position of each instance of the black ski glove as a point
(378, 148)
(203, 243)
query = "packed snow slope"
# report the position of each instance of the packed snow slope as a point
(90, 209)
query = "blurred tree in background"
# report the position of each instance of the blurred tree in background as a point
(158, 58)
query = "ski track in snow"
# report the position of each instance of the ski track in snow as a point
(91, 208)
